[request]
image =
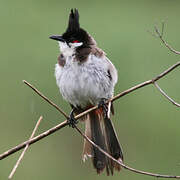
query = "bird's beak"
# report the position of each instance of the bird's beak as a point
(57, 38)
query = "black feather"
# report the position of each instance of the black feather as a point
(99, 159)
(73, 21)
(73, 31)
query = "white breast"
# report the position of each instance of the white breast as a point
(86, 83)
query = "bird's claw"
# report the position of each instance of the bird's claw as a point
(71, 120)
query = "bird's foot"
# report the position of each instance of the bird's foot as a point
(71, 120)
(103, 104)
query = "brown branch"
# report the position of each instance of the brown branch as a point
(25, 149)
(112, 99)
(122, 164)
(33, 140)
(160, 35)
(45, 98)
(165, 95)
(65, 123)
(146, 82)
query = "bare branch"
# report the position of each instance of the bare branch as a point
(45, 98)
(160, 35)
(121, 163)
(165, 95)
(65, 123)
(146, 82)
(166, 71)
(25, 149)
(33, 140)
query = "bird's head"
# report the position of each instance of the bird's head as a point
(74, 36)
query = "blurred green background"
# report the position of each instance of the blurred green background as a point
(146, 123)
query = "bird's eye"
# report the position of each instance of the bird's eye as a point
(75, 41)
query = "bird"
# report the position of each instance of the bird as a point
(86, 77)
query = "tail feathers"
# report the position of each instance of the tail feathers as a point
(114, 147)
(87, 149)
(101, 131)
(97, 136)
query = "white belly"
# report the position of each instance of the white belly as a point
(84, 84)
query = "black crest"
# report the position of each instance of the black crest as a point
(73, 21)
(73, 31)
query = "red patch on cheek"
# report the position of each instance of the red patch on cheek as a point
(75, 41)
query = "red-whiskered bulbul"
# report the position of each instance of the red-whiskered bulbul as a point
(86, 77)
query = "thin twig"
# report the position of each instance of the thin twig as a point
(160, 35)
(165, 95)
(45, 98)
(65, 123)
(146, 82)
(121, 163)
(166, 71)
(25, 149)
(33, 140)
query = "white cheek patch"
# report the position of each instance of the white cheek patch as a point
(62, 45)
(68, 49)
(65, 49)
(73, 45)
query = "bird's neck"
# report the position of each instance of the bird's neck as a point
(66, 50)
